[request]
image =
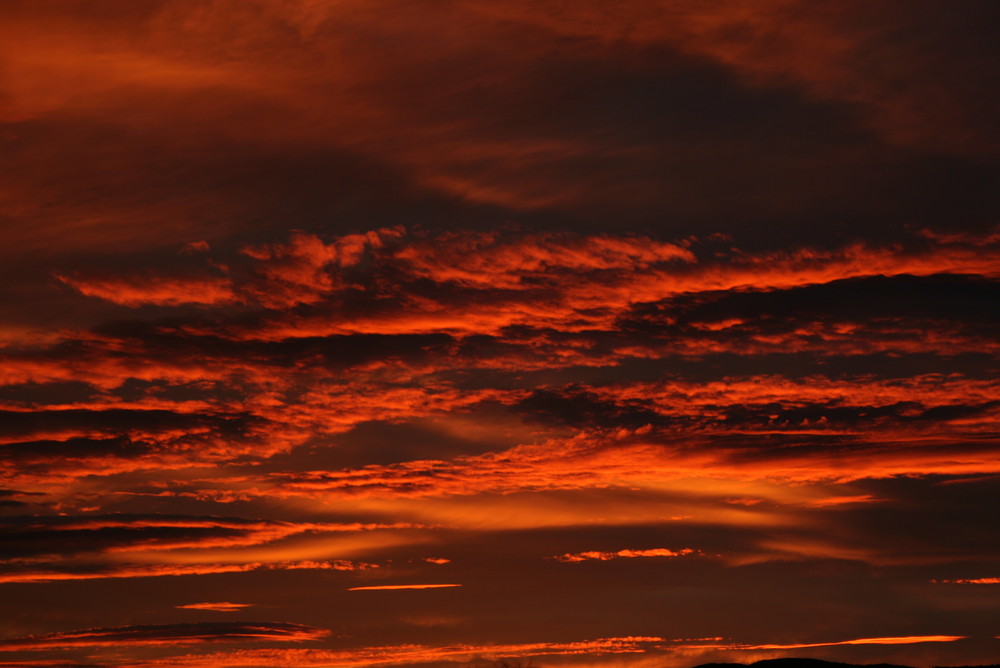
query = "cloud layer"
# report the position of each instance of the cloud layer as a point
(454, 332)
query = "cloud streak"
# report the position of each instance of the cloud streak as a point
(222, 606)
(406, 586)
(623, 554)
(30, 573)
(412, 654)
(166, 634)
(901, 640)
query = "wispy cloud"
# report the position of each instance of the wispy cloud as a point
(410, 654)
(221, 606)
(901, 640)
(166, 634)
(402, 586)
(625, 554)
(104, 571)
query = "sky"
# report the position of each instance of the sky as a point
(575, 333)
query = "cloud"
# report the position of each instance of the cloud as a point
(408, 586)
(67, 572)
(633, 459)
(35, 574)
(488, 260)
(295, 290)
(606, 556)
(222, 606)
(305, 269)
(123, 533)
(166, 635)
(159, 291)
(567, 282)
(82, 547)
(588, 283)
(843, 500)
(410, 654)
(823, 53)
(901, 640)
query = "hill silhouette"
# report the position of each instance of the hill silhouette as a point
(817, 663)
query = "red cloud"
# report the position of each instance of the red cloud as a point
(900, 640)
(222, 606)
(128, 571)
(166, 634)
(406, 654)
(159, 291)
(631, 460)
(572, 284)
(488, 260)
(408, 586)
(624, 554)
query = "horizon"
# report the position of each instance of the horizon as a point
(576, 334)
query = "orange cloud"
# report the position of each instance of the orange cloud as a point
(139, 290)
(215, 607)
(410, 586)
(161, 154)
(166, 634)
(313, 564)
(123, 571)
(573, 283)
(606, 556)
(901, 640)
(628, 459)
(258, 426)
(842, 500)
(930, 390)
(126, 571)
(407, 654)
(281, 85)
(169, 533)
(491, 261)
(305, 270)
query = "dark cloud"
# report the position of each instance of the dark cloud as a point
(64, 536)
(945, 298)
(20, 424)
(166, 634)
(48, 452)
(305, 297)
(55, 536)
(580, 408)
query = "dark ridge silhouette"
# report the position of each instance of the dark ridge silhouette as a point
(818, 663)
(799, 663)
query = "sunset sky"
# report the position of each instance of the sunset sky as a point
(584, 333)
